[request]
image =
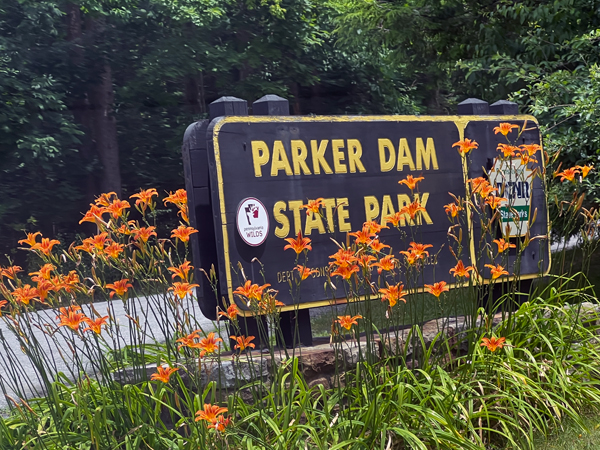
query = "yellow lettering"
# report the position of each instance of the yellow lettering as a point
(260, 156)
(313, 222)
(371, 207)
(338, 156)
(426, 155)
(318, 157)
(404, 156)
(423, 215)
(280, 160)
(343, 214)
(295, 206)
(354, 155)
(282, 219)
(299, 154)
(387, 207)
(386, 164)
(329, 204)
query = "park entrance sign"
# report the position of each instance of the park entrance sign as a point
(263, 169)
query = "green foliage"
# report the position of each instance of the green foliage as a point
(482, 399)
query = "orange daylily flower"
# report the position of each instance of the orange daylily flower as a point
(71, 317)
(243, 342)
(105, 199)
(183, 233)
(119, 287)
(269, 304)
(497, 271)
(126, 229)
(117, 207)
(365, 261)
(45, 246)
(508, 151)
(251, 291)
(189, 340)
(373, 227)
(94, 214)
(347, 321)
(505, 128)
(95, 325)
(70, 279)
(345, 271)
(179, 198)
(411, 182)
(30, 239)
(182, 271)
(412, 209)
(503, 245)
(452, 209)
(377, 246)
(313, 206)
(525, 158)
(493, 343)
(386, 263)
(411, 257)
(43, 274)
(494, 201)
(11, 272)
(460, 270)
(568, 174)
(477, 184)
(437, 288)
(231, 313)
(363, 236)
(87, 246)
(144, 198)
(393, 294)
(24, 294)
(419, 249)
(3, 303)
(143, 233)
(221, 423)
(163, 373)
(114, 250)
(486, 190)
(210, 413)
(99, 240)
(209, 344)
(43, 289)
(585, 170)
(343, 257)
(299, 244)
(182, 289)
(305, 272)
(395, 218)
(531, 149)
(465, 146)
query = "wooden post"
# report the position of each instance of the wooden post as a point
(294, 325)
(233, 106)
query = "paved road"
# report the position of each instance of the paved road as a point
(56, 350)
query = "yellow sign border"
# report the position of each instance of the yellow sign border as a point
(461, 123)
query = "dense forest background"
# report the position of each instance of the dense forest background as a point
(95, 95)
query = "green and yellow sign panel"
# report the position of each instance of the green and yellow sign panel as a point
(264, 169)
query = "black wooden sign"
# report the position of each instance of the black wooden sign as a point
(264, 169)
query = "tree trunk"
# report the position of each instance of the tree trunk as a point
(104, 130)
(92, 106)
(78, 101)
(101, 96)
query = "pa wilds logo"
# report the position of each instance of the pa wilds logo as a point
(252, 212)
(252, 221)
